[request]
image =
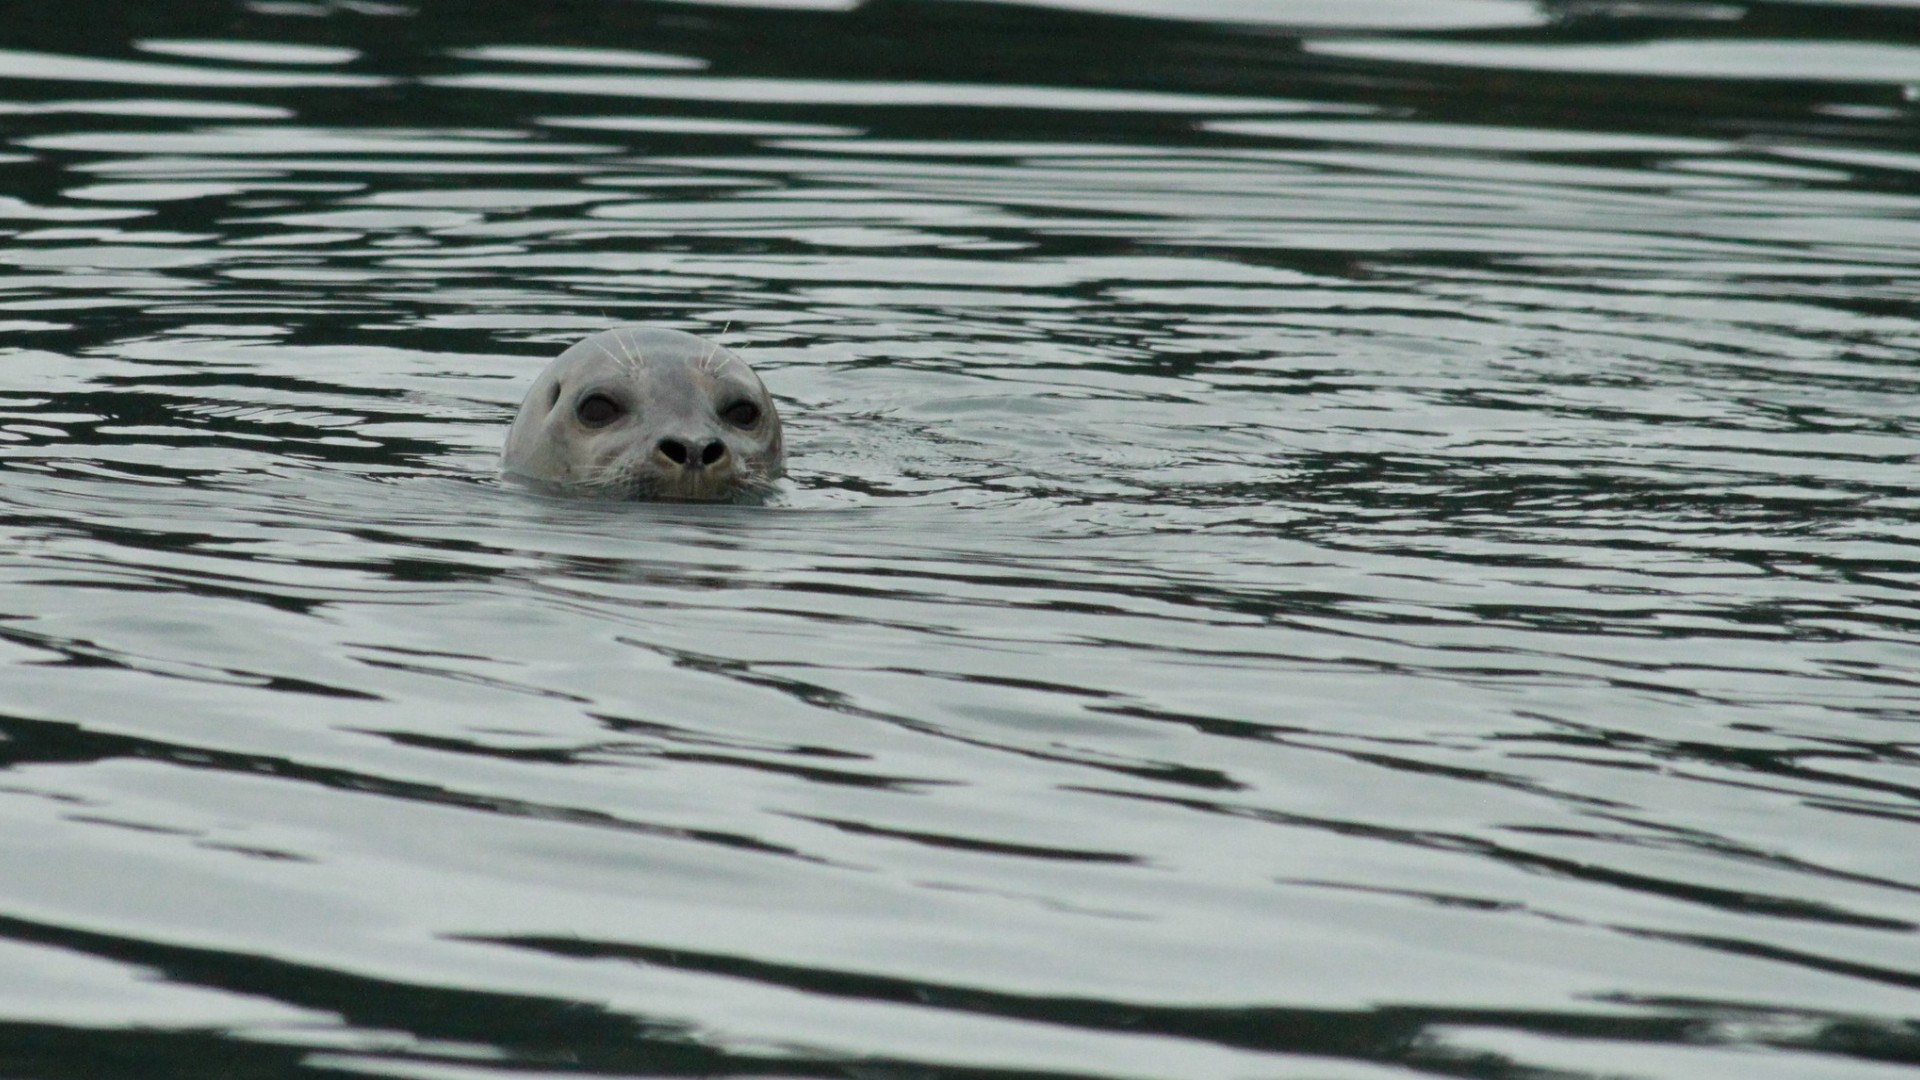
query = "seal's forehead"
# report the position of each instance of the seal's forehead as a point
(651, 348)
(649, 352)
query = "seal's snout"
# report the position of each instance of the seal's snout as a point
(676, 451)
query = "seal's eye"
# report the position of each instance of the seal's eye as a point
(741, 414)
(597, 410)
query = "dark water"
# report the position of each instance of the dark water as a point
(1370, 540)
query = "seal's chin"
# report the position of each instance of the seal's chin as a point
(644, 480)
(701, 486)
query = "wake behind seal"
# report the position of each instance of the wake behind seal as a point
(647, 413)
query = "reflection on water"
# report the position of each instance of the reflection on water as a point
(1321, 540)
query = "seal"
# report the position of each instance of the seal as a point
(647, 413)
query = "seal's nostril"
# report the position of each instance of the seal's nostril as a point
(714, 451)
(675, 450)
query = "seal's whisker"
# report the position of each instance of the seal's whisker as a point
(630, 351)
(720, 354)
(613, 478)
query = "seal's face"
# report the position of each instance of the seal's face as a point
(648, 414)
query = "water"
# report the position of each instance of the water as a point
(1323, 541)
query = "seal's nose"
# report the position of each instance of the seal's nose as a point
(678, 453)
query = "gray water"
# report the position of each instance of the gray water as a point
(1324, 540)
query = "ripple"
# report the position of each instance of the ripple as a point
(168, 107)
(1469, 139)
(574, 57)
(23, 64)
(1417, 15)
(1814, 61)
(250, 52)
(293, 140)
(696, 125)
(870, 93)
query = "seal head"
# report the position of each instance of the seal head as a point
(647, 413)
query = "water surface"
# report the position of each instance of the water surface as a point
(1323, 541)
